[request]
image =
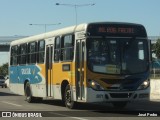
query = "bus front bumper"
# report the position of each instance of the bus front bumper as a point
(113, 96)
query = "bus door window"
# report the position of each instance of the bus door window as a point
(49, 76)
(80, 56)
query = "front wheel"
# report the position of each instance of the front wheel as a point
(28, 93)
(69, 103)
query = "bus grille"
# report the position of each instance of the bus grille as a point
(120, 95)
(118, 81)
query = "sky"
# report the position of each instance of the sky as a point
(16, 15)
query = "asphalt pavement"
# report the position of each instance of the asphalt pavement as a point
(17, 107)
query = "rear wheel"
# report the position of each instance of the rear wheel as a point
(69, 103)
(28, 93)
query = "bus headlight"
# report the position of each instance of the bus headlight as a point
(144, 85)
(94, 85)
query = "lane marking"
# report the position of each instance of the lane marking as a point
(11, 104)
(78, 118)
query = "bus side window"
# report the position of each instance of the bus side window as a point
(41, 51)
(32, 52)
(67, 48)
(57, 48)
(23, 54)
(14, 55)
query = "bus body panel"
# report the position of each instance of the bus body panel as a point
(110, 96)
(34, 74)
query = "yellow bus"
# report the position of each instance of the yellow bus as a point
(89, 63)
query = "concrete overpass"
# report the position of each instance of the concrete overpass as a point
(6, 40)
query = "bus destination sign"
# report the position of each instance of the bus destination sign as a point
(116, 30)
(127, 30)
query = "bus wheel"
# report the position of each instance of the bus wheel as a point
(28, 93)
(69, 103)
(119, 104)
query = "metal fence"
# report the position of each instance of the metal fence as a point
(155, 69)
(155, 73)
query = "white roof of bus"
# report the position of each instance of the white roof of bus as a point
(62, 31)
(59, 32)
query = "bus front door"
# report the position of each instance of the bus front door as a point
(49, 73)
(80, 53)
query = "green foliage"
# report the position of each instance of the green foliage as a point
(4, 69)
(156, 48)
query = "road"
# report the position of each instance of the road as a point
(50, 109)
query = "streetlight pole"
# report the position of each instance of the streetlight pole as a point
(76, 6)
(45, 25)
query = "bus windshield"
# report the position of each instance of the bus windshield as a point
(117, 55)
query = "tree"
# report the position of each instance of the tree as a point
(156, 48)
(4, 69)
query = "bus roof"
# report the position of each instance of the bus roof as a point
(53, 33)
(67, 30)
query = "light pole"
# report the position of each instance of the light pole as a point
(76, 6)
(45, 25)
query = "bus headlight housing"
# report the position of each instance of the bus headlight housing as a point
(144, 85)
(94, 85)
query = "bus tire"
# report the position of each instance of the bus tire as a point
(69, 103)
(119, 105)
(28, 94)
